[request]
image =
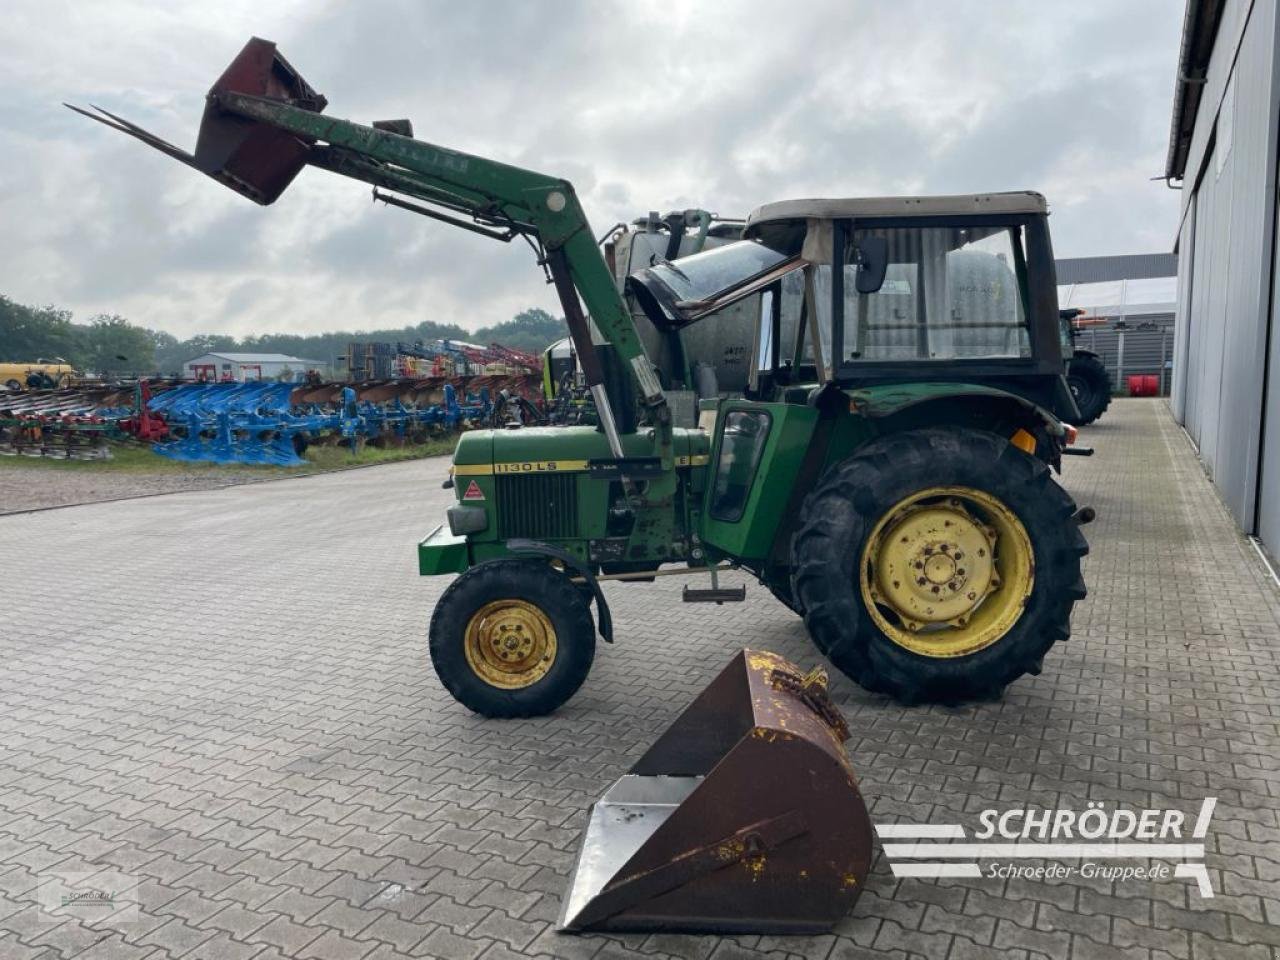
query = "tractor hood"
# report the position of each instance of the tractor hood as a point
(541, 450)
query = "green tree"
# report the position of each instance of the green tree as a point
(114, 346)
(28, 333)
(533, 330)
(169, 352)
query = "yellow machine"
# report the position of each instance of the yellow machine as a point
(38, 375)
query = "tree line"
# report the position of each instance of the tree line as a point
(109, 344)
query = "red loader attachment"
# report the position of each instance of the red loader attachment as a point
(252, 158)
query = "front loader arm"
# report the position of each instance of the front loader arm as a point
(262, 124)
(496, 193)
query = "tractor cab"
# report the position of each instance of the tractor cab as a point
(870, 292)
(872, 318)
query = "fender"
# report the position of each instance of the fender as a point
(522, 547)
(885, 400)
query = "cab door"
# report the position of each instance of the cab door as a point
(755, 459)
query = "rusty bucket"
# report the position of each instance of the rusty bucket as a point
(253, 158)
(745, 816)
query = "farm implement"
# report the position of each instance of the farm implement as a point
(274, 423)
(258, 422)
(75, 423)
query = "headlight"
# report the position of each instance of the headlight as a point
(464, 520)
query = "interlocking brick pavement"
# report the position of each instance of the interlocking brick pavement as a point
(226, 696)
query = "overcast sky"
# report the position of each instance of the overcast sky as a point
(644, 106)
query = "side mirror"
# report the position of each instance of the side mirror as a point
(872, 257)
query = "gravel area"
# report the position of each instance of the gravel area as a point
(25, 488)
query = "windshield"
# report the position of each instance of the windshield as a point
(705, 275)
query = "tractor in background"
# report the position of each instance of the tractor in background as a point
(1087, 376)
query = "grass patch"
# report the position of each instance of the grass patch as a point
(132, 458)
(337, 457)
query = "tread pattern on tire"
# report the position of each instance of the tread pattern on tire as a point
(843, 508)
(1089, 368)
(531, 580)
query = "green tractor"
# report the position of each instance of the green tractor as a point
(885, 471)
(1086, 374)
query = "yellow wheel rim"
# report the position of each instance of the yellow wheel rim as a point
(510, 644)
(947, 571)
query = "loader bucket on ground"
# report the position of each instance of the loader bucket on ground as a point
(744, 816)
(251, 157)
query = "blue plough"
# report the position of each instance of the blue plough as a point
(265, 422)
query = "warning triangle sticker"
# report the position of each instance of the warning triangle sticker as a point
(473, 492)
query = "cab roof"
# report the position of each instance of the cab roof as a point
(1019, 201)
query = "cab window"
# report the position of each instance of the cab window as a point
(947, 293)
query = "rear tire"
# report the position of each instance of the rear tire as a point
(1090, 385)
(855, 500)
(512, 638)
(780, 586)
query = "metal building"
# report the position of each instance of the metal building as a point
(249, 366)
(1222, 152)
(1129, 303)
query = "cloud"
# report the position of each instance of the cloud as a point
(644, 106)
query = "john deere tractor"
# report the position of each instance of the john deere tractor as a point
(884, 471)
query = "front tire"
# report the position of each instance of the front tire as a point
(938, 565)
(512, 638)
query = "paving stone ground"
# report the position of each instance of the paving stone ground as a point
(225, 696)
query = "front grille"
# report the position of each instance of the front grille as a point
(539, 507)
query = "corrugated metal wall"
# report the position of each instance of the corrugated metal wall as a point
(1125, 266)
(1182, 323)
(1268, 528)
(1226, 248)
(1144, 345)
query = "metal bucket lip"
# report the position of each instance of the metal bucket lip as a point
(629, 799)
